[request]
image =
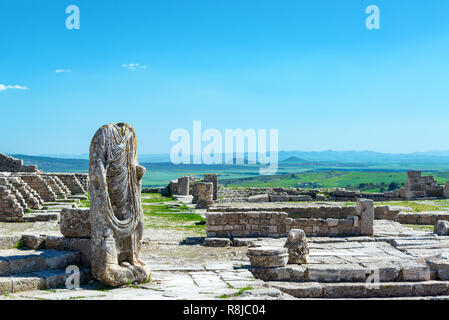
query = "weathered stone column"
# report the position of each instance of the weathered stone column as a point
(205, 194)
(116, 216)
(173, 186)
(183, 186)
(211, 177)
(365, 209)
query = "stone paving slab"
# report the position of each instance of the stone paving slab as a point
(363, 290)
(171, 285)
(334, 273)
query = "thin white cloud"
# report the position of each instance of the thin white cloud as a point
(17, 87)
(62, 70)
(133, 66)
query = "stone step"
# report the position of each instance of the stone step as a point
(40, 280)
(14, 261)
(78, 197)
(41, 216)
(362, 289)
(406, 270)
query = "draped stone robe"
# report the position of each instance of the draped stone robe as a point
(116, 212)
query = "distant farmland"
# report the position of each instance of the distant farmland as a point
(293, 172)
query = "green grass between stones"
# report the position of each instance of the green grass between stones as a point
(171, 217)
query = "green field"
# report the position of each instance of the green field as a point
(369, 181)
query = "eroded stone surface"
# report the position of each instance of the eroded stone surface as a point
(298, 250)
(268, 257)
(442, 228)
(75, 222)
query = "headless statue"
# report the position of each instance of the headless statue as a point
(116, 216)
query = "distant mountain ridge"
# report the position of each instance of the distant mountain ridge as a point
(294, 159)
(306, 156)
(302, 160)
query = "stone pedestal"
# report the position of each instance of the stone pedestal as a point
(210, 177)
(183, 186)
(365, 210)
(267, 257)
(204, 194)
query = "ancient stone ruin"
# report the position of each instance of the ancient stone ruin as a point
(277, 221)
(116, 217)
(25, 188)
(10, 164)
(204, 192)
(300, 243)
(418, 186)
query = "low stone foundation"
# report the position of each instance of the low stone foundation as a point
(319, 221)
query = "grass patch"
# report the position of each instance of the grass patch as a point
(427, 228)
(20, 244)
(181, 218)
(132, 285)
(420, 205)
(84, 203)
(236, 294)
(241, 290)
(155, 197)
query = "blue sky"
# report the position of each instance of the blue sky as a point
(310, 69)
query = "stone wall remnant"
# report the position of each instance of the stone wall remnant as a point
(173, 187)
(365, 210)
(183, 186)
(276, 224)
(75, 223)
(418, 186)
(212, 177)
(446, 190)
(116, 217)
(205, 194)
(10, 164)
